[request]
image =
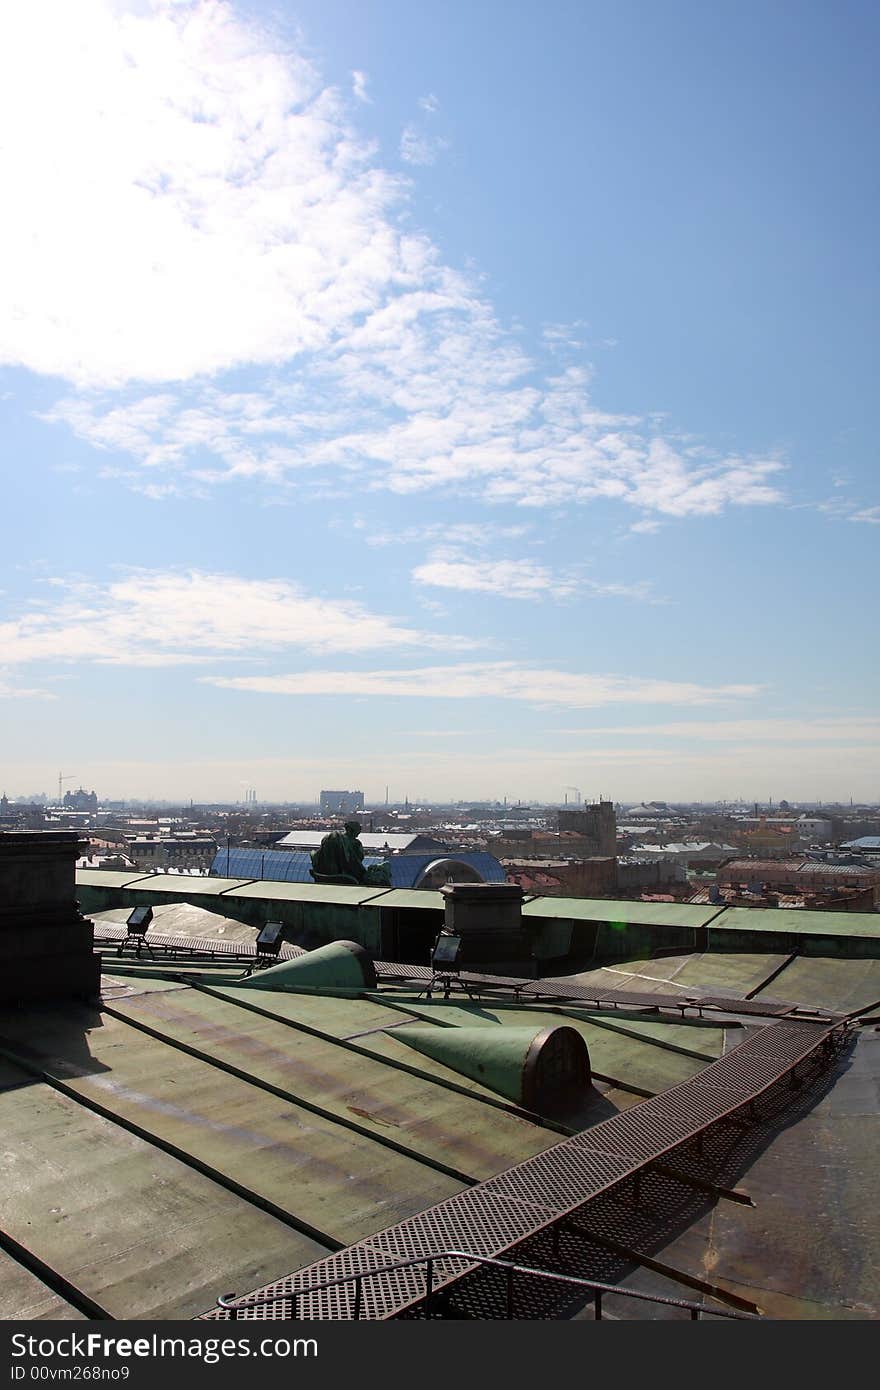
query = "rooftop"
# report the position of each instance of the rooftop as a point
(196, 1130)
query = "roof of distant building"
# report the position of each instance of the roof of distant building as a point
(752, 869)
(398, 843)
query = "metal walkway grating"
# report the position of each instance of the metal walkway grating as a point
(560, 990)
(107, 935)
(494, 1217)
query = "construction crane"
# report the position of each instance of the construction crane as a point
(64, 777)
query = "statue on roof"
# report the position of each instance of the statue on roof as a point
(340, 859)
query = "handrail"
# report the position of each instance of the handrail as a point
(232, 1303)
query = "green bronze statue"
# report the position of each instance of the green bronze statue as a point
(340, 859)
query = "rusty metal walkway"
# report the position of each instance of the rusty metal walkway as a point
(493, 1218)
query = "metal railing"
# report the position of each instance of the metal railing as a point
(234, 1306)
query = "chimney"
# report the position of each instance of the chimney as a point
(46, 945)
(488, 918)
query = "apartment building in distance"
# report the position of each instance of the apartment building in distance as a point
(341, 803)
(181, 851)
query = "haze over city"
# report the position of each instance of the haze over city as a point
(476, 400)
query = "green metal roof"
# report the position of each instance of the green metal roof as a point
(760, 919)
(109, 878)
(828, 982)
(799, 920)
(338, 894)
(187, 885)
(412, 897)
(604, 910)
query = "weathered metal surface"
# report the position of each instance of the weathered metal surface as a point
(703, 1044)
(442, 1126)
(662, 973)
(138, 1231)
(272, 891)
(305, 1012)
(302, 1165)
(727, 974)
(637, 913)
(109, 878)
(846, 985)
(776, 919)
(494, 1217)
(628, 1051)
(811, 1247)
(23, 1296)
(337, 965)
(409, 899)
(187, 886)
(333, 1017)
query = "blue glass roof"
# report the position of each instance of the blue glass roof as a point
(294, 866)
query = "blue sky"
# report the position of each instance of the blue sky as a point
(473, 399)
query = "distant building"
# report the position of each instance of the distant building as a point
(866, 845)
(595, 826)
(817, 830)
(341, 803)
(796, 876)
(764, 837)
(80, 800)
(705, 852)
(181, 851)
(580, 878)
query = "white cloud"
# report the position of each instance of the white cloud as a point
(186, 196)
(429, 103)
(454, 533)
(168, 619)
(505, 680)
(189, 200)
(418, 147)
(521, 578)
(359, 81)
(509, 578)
(847, 509)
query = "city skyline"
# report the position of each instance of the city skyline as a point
(440, 398)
